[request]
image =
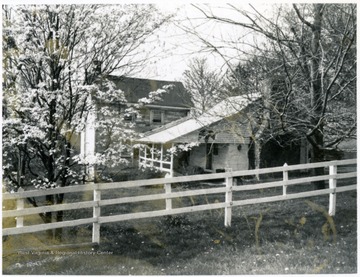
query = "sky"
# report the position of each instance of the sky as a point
(181, 47)
(177, 47)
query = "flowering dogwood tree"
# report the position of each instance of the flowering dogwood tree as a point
(53, 59)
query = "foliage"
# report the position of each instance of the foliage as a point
(54, 56)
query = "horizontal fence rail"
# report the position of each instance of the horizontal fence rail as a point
(227, 188)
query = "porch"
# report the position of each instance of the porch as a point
(216, 141)
(178, 159)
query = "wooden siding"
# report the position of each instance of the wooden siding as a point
(228, 157)
(225, 132)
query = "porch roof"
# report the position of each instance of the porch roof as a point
(226, 108)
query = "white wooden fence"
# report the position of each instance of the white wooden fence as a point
(229, 203)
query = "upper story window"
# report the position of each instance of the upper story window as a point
(130, 117)
(156, 116)
(127, 113)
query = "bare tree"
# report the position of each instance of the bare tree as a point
(202, 84)
(312, 48)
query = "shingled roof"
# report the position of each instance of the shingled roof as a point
(137, 88)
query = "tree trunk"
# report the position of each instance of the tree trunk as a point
(208, 156)
(59, 217)
(316, 95)
(257, 150)
(317, 155)
(48, 215)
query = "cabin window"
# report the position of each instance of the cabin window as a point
(206, 134)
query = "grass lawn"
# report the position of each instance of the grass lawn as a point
(291, 237)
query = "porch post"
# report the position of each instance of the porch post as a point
(152, 153)
(87, 144)
(161, 156)
(172, 162)
(142, 154)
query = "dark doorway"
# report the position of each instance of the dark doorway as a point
(209, 156)
(280, 150)
(251, 155)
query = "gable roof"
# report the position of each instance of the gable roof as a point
(224, 109)
(137, 88)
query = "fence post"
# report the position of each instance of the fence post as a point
(332, 185)
(96, 214)
(228, 200)
(167, 187)
(20, 203)
(285, 178)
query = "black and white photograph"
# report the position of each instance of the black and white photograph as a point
(179, 138)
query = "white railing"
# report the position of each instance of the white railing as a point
(168, 195)
(156, 160)
(163, 166)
